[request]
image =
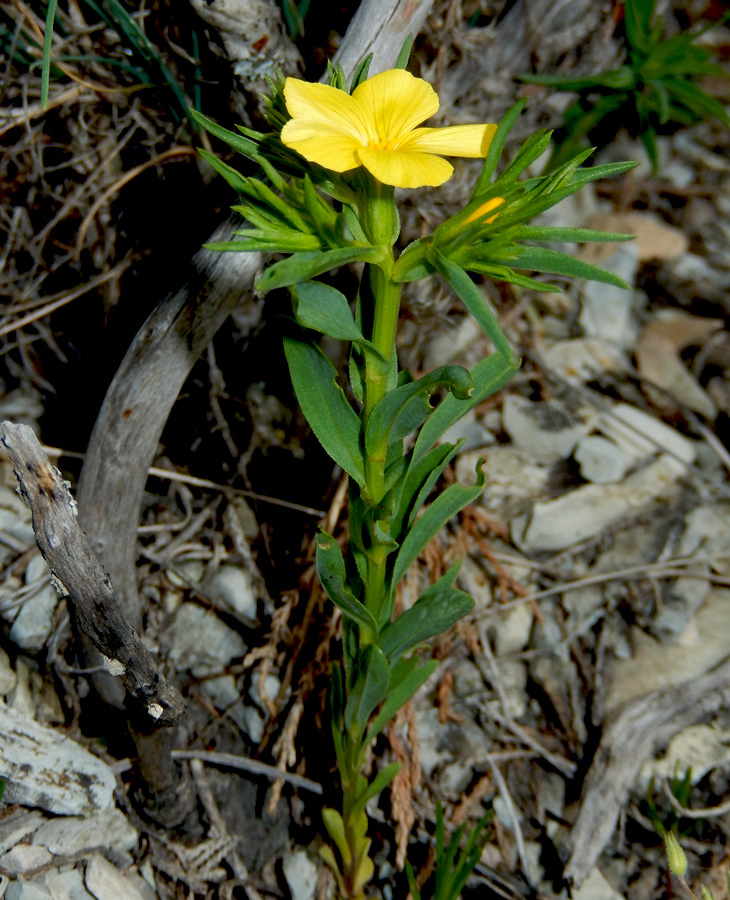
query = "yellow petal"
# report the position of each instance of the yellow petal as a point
(325, 105)
(406, 170)
(395, 102)
(322, 143)
(454, 140)
(484, 209)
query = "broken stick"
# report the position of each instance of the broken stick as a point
(78, 574)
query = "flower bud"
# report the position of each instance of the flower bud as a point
(484, 209)
(675, 855)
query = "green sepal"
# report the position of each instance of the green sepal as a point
(325, 309)
(404, 409)
(304, 266)
(369, 690)
(448, 504)
(333, 421)
(361, 71)
(435, 611)
(489, 376)
(496, 146)
(406, 678)
(405, 53)
(331, 571)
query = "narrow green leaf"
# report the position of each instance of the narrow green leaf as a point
(406, 678)
(495, 148)
(243, 145)
(47, 45)
(433, 613)
(332, 574)
(369, 690)
(405, 53)
(448, 504)
(325, 309)
(404, 409)
(470, 295)
(361, 71)
(540, 259)
(419, 480)
(560, 234)
(334, 422)
(303, 266)
(379, 783)
(489, 376)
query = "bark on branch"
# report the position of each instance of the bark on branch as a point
(80, 576)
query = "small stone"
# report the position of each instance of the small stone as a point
(642, 435)
(32, 626)
(301, 875)
(201, 642)
(106, 882)
(511, 629)
(18, 825)
(514, 477)
(8, 678)
(233, 589)
(595, 887)
(42, 767)
(601, 461)
(15, 517)
(544, 426)
(253, 723)
(20, 698)
(68, 836)
(271, 686)
(513, 675)
(24, 858)
(449, 344)
(608, 311)
(533, 871)
(26, 890)
(579, 360)
(68, 885)
(473, 579)
(590, 509)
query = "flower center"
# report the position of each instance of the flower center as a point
(381, 144)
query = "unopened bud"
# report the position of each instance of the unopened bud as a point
(484, 209)
(675, 855)
(706, 893)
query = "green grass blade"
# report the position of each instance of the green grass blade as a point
(47, 43)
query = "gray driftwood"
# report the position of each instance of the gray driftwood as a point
(634, 736)
(79, 575)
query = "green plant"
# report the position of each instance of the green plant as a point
(680, 788)
(677, 863)
(329, 166)
(654, 89)
(453, 864)
(150, 68)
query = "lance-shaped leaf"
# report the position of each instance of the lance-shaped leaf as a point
(406, 678)
(379, 783)
(448, 504)
(401, 411)
(541, 259)
(421, 476)
(334, 422)
(332, 574)
(488, 376)
(470, 295)
(369, 690)
(435, 611)
(495, 148)
(303, 266)
(325, 309)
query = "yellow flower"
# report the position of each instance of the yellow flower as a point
(375, 127)
(484, 209)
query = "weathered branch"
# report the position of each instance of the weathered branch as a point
(634, 736)
(79, 575)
